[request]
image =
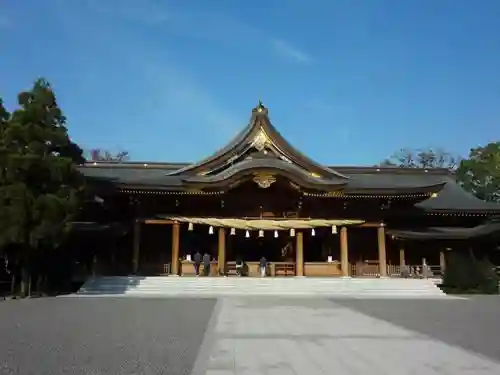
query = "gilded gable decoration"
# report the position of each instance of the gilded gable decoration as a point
(264, 180)
(261, 140)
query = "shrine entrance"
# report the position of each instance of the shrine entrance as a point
(276, 246)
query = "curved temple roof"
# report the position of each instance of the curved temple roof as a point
(453, 197)
(259, 135)
(271, 166)
(261, 149)
(449, 233)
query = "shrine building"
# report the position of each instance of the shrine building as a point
(259, 196)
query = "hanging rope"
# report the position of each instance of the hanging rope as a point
(264, 224)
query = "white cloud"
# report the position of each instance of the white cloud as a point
(213, 27)
(164, 89)
(175, 90)
(287, 50)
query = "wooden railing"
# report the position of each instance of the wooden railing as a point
(253, 269)
(283, 269)
(411, 271)
(155, 268)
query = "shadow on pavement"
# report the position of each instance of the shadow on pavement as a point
(102, 335)
(471, 323)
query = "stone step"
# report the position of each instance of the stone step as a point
(137, 286)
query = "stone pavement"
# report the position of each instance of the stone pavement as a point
(249, 335)
(102, 336)
(254, 336)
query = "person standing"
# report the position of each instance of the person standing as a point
(206, 264)
(239, 266)
(197, 262)
(263, 266)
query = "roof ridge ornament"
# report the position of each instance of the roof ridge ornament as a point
(260, 109)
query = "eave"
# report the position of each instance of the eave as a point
(491, 229)
(453, 199)
(264, 167)
(407, 192)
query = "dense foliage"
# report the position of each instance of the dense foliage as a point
(480, 172)
(40, 186)
(466, 275)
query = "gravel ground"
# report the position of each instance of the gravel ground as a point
(53, 336)
(470, 323)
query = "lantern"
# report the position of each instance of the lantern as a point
(275, 234)
(292, 232)
(211, 230)
(334, 229)
(190, 227)
(261, 233)
(313, 232)
(233, 231)
(247, 234)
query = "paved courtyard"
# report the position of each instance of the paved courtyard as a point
(97, 336)
(249, 336)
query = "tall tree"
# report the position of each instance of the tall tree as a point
(98, 154)
(480, 172)
(422, 158)
(4, 116)
(40, 187)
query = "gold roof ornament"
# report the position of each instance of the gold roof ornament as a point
(261, 140)
(260, 106)
(264, 180)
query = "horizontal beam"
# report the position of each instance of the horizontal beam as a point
(169, 222)
(159, 221)
(370, 225)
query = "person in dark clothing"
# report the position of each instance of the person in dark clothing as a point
(206, 264)
(239, 266)
(263, 266)
(197, 262)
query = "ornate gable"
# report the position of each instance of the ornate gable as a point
(259, 140)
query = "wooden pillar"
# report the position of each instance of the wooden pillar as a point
(344, 252)
(442, 261)
(382, 256)
(221, 259)
(299, 254)
(176, 229)
(137, 247)
(402, 258)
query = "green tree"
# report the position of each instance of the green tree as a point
(422, 158)
(480, 172)
(40, 187)
(466, 274)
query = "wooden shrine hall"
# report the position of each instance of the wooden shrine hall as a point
(260, 197)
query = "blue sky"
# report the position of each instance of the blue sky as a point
(347, 82)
